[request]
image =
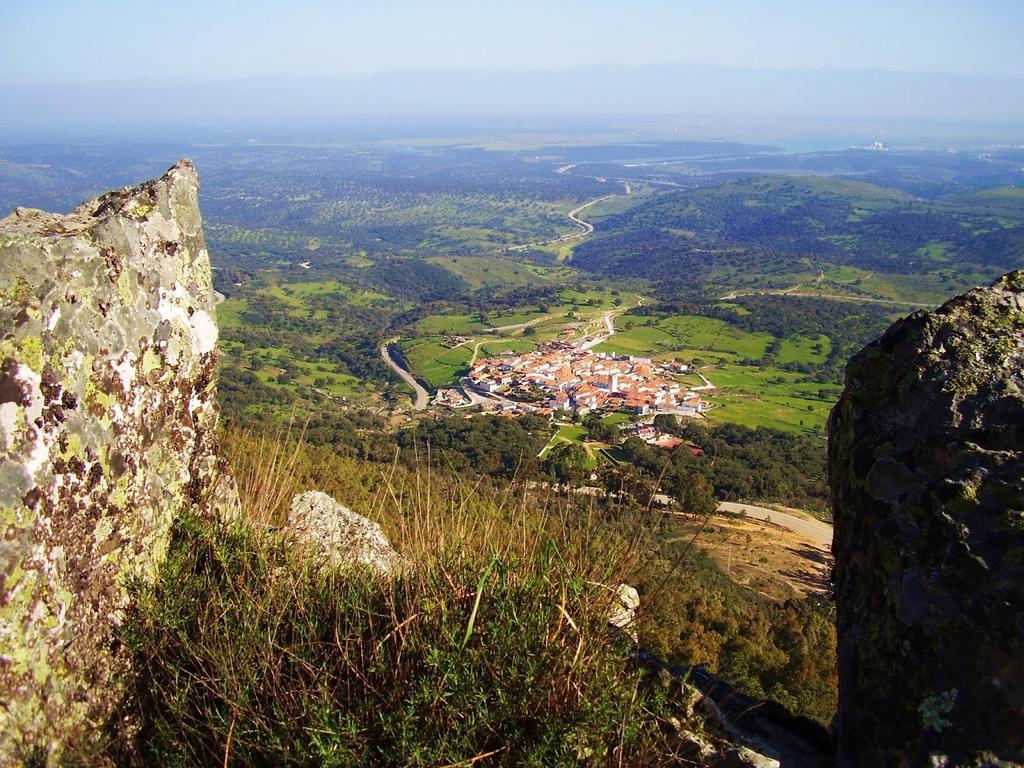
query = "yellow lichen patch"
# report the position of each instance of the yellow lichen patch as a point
(98, 399)
(125, 281)
(30, 351)
(137, 209)
(17, 294)
(151, 361)
(73, 448)
(119, 493)
(104, 528)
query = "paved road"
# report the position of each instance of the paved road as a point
(795, 292)
(585, 228)
(422, 396)
(608, 320)
(586, 225)
(516, 326)
(816, 530)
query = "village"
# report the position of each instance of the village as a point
(564, 376)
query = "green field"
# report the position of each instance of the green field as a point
(435, 363)
(767, 396)
(802, 349)
(650, 336)
(506, 345)
(641, 340)
(712, 334)
(435, 325)
(572, 433)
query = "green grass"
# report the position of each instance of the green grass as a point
(712, 334)
(229, 313)
(614, 419)
(492, 640)
(640, 340)
(506, 345)
(435, 363)
(572, 433)
(565, 433)
(355, 296)
(486, 272)
(464, 325)
(574, 299)
(665, 337)
(246, 654)
(472, 325)
(803, 349)
(770, 397)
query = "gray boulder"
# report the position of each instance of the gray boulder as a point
(926, 464)
(337, 537)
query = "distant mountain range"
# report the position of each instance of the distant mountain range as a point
(665, 89)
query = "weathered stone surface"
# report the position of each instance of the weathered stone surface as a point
(623, 611)
(107, 431)
(723, 727)
(337, 537)
(926, 463)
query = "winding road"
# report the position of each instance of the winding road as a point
(422, 396)
(585, 228)
(816, 530)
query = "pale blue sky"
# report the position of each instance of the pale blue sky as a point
(66, 41)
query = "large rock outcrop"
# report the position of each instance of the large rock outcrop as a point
(107, 430)
(926, 463)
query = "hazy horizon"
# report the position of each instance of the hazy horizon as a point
(134, 68)
(57, 41)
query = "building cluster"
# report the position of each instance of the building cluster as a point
(452, 397)
(565, 376)
(647, 432)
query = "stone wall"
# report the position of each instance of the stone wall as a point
(107, 431)
(926, 463)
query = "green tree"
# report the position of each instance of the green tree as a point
(567, 463)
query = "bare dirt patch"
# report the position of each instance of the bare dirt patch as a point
(771, 560)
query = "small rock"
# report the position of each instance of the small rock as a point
(743, 757)
(338, 537)
(623, 614)
(700, 745)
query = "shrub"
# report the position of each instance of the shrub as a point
(492, 645)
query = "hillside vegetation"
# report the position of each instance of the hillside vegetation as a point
(498, 625)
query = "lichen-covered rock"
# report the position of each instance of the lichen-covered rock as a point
(926, 464)
(107, 430)
(337, 537)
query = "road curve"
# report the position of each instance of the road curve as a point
(585, 228)
(816, 530)
(422, 396)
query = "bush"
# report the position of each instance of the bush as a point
(493, 643)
